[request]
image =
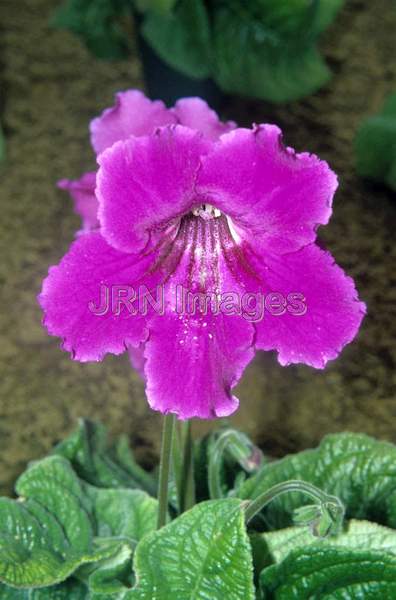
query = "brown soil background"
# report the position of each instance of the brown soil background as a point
(50, 89)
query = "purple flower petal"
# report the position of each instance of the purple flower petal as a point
(136, 356)
(277, 197)
(333, 311)
(143, 183)
(73, 289)
(133, 114)
(192, 363)
(82, 191)
(196, 114)
(178, 208)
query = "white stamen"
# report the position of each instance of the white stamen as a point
(206, 211)
(233, 231)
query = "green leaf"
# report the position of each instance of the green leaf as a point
(53, 484)
(182, 37)
(358, 469)
(126, 515)
(254, 60)
(68, 590)
(123, 455)
(264, 49)
(100, 464)
(276, 545)
(112, 574)
(61, 524)
(98, 23)
(161, 6)
(129, 514)
(331, 573)
(326, 12)
(203, 554)
(375, 146)
(48, 533)
(31, 552)
(284, 19)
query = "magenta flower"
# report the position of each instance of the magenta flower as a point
(134, 114)
(228, 222)
(82, 192)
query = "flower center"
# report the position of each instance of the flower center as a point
(206, 211)
(203, 254)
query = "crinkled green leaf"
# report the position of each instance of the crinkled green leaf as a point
(129, 514)
(117, 596)
(113, 574)
(285, 20)
(31, 551)
(53, 483)
(204, 554)
(358, 469)
(29, 556)
(48, 534)
(331, 573)
(253, 59)
(119, 515)
(267, 49)
(68, 590)
(283, 17)
(264, 49)
(375, 145)
(100, 464)
(62, 524)
(182, 37)
(98, 23)
(274, 546)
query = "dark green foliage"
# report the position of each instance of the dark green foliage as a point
(358, 469)
(261, 48)
(83, 530)
(265, 48)
(182, 37)
(98, 23)
(375, 146)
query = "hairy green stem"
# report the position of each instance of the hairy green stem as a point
(177, 459)
(241, 450)
(187, 488)
(165, 466)
(293, 485)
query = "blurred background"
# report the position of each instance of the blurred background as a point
(52, 82)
